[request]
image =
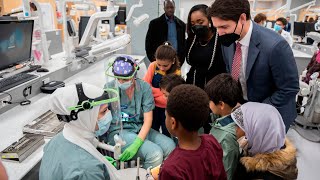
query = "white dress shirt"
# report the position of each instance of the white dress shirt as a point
(245, 42)
(287, 36)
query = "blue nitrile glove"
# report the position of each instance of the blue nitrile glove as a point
(111, 160)
(131, 150)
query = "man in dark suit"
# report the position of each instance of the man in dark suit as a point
(259, 58)
(288, 26)
(166, 28)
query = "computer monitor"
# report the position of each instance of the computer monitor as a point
(82, 26)
(299, 29)
(121, 16)
(15, 42)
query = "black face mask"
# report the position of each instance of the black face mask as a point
(200, 30)
(228, 39)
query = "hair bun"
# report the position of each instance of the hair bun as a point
(167, 43)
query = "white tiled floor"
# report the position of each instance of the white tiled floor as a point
(308, 156)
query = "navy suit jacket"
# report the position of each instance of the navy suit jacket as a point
(271, 72)
(288, 27)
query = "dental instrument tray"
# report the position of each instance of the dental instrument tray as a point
(20, 150)
(47, 125)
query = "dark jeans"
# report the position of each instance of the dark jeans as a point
(159, 119)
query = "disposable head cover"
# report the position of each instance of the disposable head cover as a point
(263, 126)
(123, 67)
(80, 131)
(64, 98)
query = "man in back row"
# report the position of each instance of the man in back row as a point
(257, 57)
(166, 28)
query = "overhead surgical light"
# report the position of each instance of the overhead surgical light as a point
(137, 21)
(132, 9)
(110, 45)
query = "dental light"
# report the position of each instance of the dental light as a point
(137, 21)
(110, 45)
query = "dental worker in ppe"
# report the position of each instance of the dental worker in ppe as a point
(279, 27)
(137, 103)
(72, 154)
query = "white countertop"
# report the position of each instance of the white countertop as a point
(300, 54)
(12, 121)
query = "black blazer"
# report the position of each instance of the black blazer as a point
(158, 33)
(288, 27)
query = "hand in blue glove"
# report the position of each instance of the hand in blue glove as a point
(131, 150)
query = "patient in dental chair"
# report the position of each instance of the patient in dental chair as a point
(313, 66)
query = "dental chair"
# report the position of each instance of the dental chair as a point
(307, 124)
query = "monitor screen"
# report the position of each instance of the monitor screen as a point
(121, 16)
(15, 42)
(299, 29)
(82, 26)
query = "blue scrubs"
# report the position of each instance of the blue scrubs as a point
(65, 160)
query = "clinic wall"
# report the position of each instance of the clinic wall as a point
(186, 5)
(302, 12)
(8, 5)
(296, 3)
(138, 34)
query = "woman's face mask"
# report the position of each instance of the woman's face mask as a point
(104, 124)
(200, 30)
(125, 85)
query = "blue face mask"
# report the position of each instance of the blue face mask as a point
(104, 124)
(277, 27)
(125, 85)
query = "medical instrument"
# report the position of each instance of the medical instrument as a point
(138, 167)
(20, 150)
(50, 87)
(47, 125)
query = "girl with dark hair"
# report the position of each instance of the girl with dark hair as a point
(203, 48)
(167, 62)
